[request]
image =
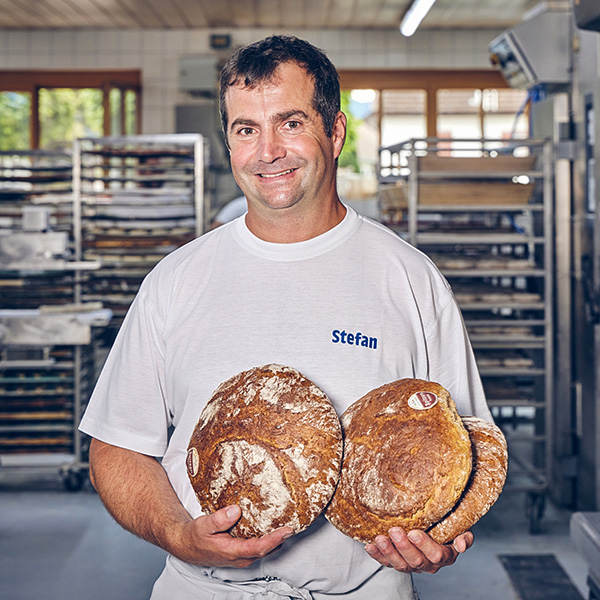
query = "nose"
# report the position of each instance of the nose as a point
(271, 146)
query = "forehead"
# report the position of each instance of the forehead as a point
(289, 82)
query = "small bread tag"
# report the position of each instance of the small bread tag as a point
(192, 462)
(422, 400)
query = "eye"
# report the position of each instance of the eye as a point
(293, 125)
(245, 131)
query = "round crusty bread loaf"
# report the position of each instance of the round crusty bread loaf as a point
(490, 464)
(407, 459)
(269, 440)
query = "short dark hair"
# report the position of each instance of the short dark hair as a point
(256, 63)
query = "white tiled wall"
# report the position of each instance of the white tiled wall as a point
(156, 53)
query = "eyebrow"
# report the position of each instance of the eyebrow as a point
(282, 116)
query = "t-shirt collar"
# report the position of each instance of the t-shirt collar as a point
(299, 250)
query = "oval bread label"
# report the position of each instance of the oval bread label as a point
(192, 462)
(422, 400)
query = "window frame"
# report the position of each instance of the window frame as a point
(31, 81)
(429, 80)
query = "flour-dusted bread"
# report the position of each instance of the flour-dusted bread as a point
(490, 463)
(269, 440)
(407, 459)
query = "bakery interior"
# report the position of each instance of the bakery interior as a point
(472, 137)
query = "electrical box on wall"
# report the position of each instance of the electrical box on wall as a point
(587, 14)
(198, 75)
(536, 51)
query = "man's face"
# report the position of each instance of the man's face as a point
(280, 155)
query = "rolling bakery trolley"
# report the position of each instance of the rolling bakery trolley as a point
(139, 197)
(46, 333)
(483, 211)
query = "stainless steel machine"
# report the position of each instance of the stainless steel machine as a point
(564, 99)
(568, 113)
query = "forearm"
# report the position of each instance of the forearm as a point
(136, 491)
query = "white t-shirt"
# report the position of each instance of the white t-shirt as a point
(228, 301)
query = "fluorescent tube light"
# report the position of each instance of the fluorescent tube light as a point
(414, 15)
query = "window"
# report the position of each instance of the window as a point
(403, 115)
(386, 107)
(49, 109)
(15, 111)
(66, 114)
(475, 113)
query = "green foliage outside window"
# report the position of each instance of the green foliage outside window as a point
(348, 158)
(67, 114)
(15, 108)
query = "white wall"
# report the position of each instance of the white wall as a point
(156, 53)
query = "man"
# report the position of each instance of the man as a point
(284, 284)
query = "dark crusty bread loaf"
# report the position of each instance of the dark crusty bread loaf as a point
(490, 463)
(407, 459)
(269, 440)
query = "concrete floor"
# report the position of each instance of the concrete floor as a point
(60, 545)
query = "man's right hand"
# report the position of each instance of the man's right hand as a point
(137, 492)
(209, 543)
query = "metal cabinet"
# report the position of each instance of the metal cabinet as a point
(483, 211)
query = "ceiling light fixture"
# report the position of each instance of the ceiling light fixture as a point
(414, 15)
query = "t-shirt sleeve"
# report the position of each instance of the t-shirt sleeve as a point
(452, 363)
(128, 407)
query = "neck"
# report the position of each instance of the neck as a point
(289, 225)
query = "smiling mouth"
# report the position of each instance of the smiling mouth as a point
(272, 175)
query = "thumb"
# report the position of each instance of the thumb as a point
(224, 518)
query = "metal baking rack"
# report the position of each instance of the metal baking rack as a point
(139, 198)
(483, 211)
(46, 332)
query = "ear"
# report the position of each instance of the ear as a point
(338, 135)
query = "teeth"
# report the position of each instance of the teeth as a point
(269, 175)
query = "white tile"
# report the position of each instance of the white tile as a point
(153, 120)
(42, 43)
(19, 41)
(109, 61)
(333, 41)
(314, 36)
(174, 41)
(86, 42)
(153, 41)
(131, 40)
(376, 59)
(63, 61)
(64, 41)
(197, 41)
(241, 37)
(374, 41)
(168, 122)
(129, 60)
(109, 41)
(4, 46)
(151, 66)
(20, 60)
(84, 61)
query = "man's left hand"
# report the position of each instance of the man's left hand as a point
(416, 552)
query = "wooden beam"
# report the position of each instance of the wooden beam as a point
(390, 79)
(25, 80)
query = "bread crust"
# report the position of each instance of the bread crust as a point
(490, 465)
(269, 440)
(407, 459)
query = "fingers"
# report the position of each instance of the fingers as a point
(214, 546)
(463, 542)
(415, 551)
(223, 519)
